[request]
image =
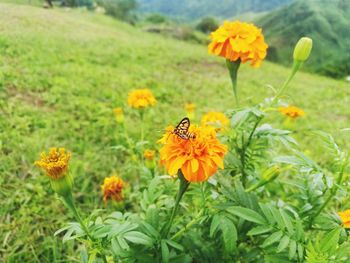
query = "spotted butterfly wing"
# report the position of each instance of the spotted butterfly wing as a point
(181, 129)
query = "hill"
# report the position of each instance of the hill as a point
(326, 22)
(195, 9)
(61, 74)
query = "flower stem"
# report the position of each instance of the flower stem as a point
(233, 67)
(182, 189)
(190, 224)
(142, 123)
(295, 68)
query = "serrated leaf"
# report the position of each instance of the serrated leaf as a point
(247, 214)
(272, 239)
(260, 230)
(283, 244)
(287, 221)
(329, 242)
(175, 245)
(214, 225)
(229, 234)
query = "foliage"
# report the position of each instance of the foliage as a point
(58, 86)
(326, 22)
(120, 9)
(156, 18)
(195, 9)
(207, 25)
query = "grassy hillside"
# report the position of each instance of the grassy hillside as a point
(327, 22)
(194, 9)
(62, 73)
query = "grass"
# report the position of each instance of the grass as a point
(61, 74)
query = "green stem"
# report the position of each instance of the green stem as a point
(189, 225)
(233, 67)
(332, 193)
(295, 68)
(142, 122)
(182, 189)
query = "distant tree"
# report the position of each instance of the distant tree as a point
(78, 3)
(156, 18)
(120, 9)
(207, 25)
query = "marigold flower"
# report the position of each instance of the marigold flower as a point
(149, 154)
(291, 111)
(345, 218)
(190, 107)
(141, 98)
(112, 188)
(239, 41)
(55, 163)
(119, 114)
(197, 158)
(215, 119)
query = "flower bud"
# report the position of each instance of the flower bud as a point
(271, 173)
(119, 115)
(302, 49)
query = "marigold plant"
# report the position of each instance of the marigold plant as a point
(112, 188)
(238, 41)
(197, 158)
(149, 154)
(119, 114)
(291, 111)
(215, 119)
(55, 163)
(141, 98)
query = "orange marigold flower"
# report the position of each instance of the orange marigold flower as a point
(291, 111)
(112, 188)
(238, 40)
(55, 163)
(345, 218)
(198, 158)
(119, 114)
(141, 98)
(149, 154)
(216, 119)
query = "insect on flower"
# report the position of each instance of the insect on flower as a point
(181, 129)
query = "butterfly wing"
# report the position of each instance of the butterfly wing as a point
(181, 129)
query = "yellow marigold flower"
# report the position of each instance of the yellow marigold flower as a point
(216, 119)
(119, 114)
(198, 158)
(112, 188)
(55, 163)
(345, 218)
(190, 107)
(165, 136)
(237, 40)
(291, 111)
(149, 154)
(141, 98)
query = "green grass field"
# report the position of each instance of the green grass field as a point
(61, 74)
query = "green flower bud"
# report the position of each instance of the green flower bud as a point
(271, 173)
(302, 49)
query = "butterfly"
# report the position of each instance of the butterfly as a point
(181, 129)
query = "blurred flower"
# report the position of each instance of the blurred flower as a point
(238, 41)
(55, 163)
(345, 218)
(119, 114)
(302, 49)
(166, 135)
(198, 158)
(141, 98)
(112, 188)
(149, 154)
(190, 108)
(291, 111)
(215, 119)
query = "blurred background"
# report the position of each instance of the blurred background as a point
(66, 64)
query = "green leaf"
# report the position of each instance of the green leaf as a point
(214, 225)
(292, 249)
(165, 251)
(287, 221)
(247, 214)
(260, 230)
(267, 213)
(229, 234)
(138, 238)
(272, 239)
(283, 244)
(175, 245)
(329, 242)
